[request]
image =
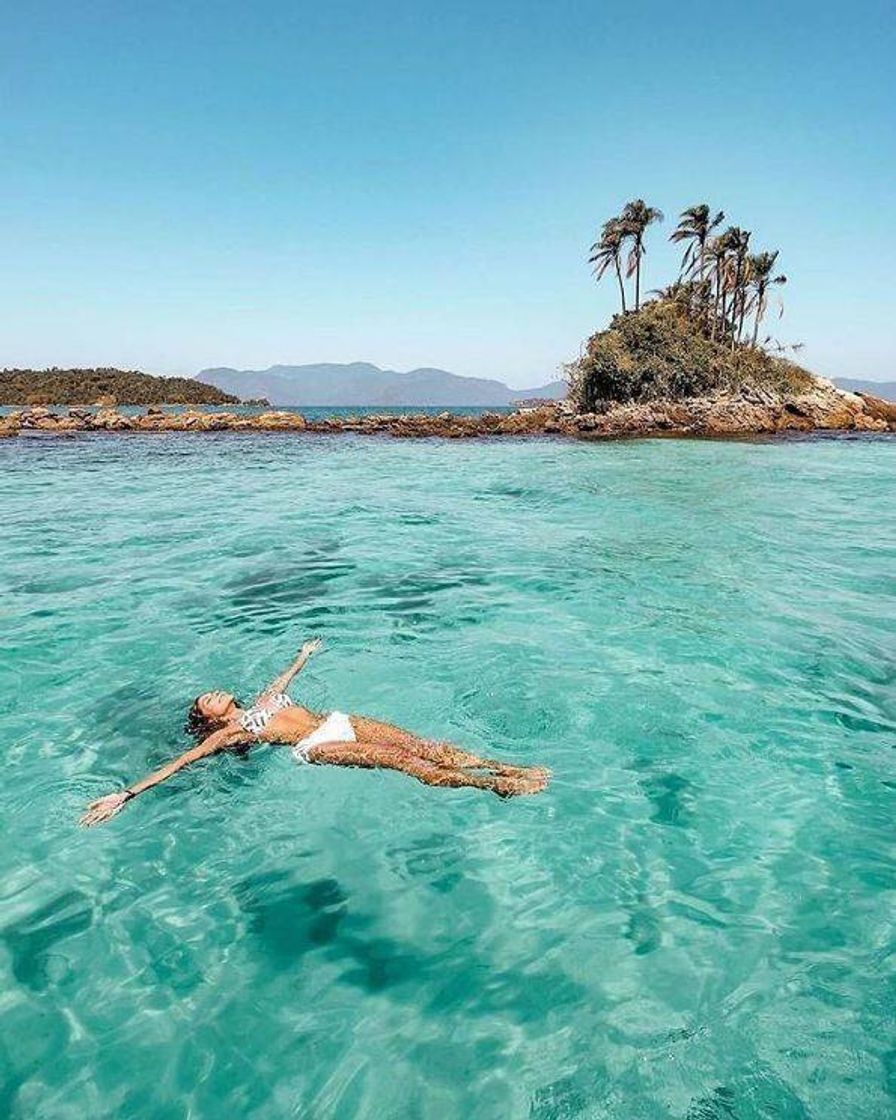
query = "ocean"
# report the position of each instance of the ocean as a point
(694, 921)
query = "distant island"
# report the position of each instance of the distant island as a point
(92, 386)
(361, 384)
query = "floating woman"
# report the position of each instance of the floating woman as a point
(220, 724)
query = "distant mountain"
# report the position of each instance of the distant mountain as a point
(86, 386)
(360, 383)
(885, 389)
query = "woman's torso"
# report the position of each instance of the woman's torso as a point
(274, 718)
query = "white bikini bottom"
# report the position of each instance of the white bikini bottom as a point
(336, 728)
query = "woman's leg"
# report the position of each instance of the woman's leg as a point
(446, 754)
(443, 754)
(389, 757)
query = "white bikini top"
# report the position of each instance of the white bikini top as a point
(256, 718)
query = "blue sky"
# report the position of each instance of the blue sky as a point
(187, 185)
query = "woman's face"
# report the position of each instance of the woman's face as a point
(216, 705)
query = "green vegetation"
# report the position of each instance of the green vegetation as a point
(696, 335)
(660, 353)
(88, 386)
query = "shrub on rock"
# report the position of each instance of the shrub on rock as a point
(661, 353)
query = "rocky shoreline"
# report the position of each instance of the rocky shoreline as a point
(745, 413)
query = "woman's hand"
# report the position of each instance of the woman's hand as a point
(104, 809)
(311, 647)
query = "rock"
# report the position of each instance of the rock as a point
(277, 421)
(170, 422)
(526, 421)
(751, 411)
(879, 408)
(113, 421)
(33, 416)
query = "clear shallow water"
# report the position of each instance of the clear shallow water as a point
(695, 921)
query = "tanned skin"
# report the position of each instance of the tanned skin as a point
(378, 746)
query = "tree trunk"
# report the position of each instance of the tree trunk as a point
(760, 295)
(743, 307)
(704, 297)
(735, 308)
(715, 305)
(621, 285)
(638, 273)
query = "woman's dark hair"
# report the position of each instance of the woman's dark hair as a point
(200, 726)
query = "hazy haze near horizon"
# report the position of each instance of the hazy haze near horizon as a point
(187, 187)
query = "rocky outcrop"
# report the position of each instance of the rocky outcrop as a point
(820, 407)
(447, 425)
(153, 420)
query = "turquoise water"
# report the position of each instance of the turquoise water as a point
(694, 922)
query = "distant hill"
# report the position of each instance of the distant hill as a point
(360, 383)
(885, 389)
(86, 386)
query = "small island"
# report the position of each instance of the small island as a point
(695, 359)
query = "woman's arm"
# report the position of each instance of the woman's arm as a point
(107, 807)
(281, 683)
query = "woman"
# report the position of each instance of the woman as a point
(220, 724)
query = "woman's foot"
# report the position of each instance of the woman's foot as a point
(505, 770)
(523, 782)
(535, 779)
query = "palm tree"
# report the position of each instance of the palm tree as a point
(741, 249)
(737, 241)
(607, 250)
(717, 253)
(636, 217)
(695, 226)
(759, 278)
